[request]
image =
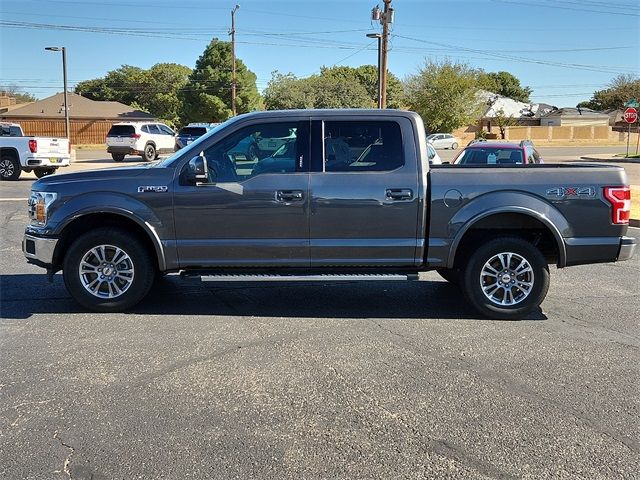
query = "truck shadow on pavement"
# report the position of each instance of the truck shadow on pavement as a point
(23, 296)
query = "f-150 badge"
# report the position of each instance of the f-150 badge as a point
(568, 192)
(152, 188)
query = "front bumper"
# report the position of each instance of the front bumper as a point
(627, 248)
(39, 250)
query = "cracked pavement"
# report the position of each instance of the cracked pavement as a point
(391, 380)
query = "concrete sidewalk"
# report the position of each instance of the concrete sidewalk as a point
(605, 157)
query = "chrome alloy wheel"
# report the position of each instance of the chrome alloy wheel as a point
(6, 168)
(506, 279)
(106, 271)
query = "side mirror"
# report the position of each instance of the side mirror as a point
(196, 170)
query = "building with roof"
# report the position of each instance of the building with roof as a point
(575, 117)
(90, 119)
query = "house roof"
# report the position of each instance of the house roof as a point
(79, 107)
(576, 112)
(511, 107)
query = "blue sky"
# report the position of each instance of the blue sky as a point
(563, 49)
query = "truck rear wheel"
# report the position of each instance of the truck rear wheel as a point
(506, 278)
(108, 270)
(9, 168)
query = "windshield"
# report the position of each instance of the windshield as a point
(192, 131)
(490, 156)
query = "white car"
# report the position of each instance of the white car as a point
(148, 139)
(443, 140)
(434, 158)
(42, 155)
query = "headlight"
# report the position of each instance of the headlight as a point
(39, 203)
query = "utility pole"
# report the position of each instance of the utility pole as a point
(379, 37)
(67, 129)
(386, 18)
(233, 55)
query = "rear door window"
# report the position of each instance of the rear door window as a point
(154, 130)
(362, 146)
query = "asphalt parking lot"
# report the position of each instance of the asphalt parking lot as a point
(384, 380)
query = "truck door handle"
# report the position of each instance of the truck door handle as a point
(399, 193)
(289, 195)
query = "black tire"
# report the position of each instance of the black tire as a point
(149, 153)
(117, 157)
(451, 275)
(519, 301)
(454, 146)
(9, 168)
(139, 261)
(43, 172)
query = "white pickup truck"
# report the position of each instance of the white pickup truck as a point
(42, 155)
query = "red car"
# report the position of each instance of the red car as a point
(498, 153)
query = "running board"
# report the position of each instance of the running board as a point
(386, 277)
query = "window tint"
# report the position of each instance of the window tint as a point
(166, 130)
(258, 149)
(154, 130)
(362, 146)
(490, 156)
(121, 131)
(145, 128)
(192, 131)
(10, 131)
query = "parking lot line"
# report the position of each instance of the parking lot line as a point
(13, 199)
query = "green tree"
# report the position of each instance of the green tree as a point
(367, 76)
(333, 87)
(621, 89)
(207, 95)
(444, 94)
(154, 90)
(505, 84)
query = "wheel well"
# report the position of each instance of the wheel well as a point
(11, 152)
(511, 224)
(86, 223)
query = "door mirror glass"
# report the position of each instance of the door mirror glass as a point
(195, 171)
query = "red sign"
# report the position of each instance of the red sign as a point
(630, 115)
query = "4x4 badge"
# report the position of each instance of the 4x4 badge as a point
(568, 192)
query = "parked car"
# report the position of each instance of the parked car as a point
(493, 153)
(443, 140)
(191, 132)
(434, 158)
(491, 230)
(148, 140)
(19, 153)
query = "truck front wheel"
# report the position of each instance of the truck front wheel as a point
(9, 168)
(108, 270)
(506, 278)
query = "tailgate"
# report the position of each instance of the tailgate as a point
(53, 146)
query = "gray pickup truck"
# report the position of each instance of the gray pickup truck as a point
(325, 195)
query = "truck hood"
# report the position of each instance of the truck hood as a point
(110, 174)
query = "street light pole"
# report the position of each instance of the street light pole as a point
(233, 55)
(67, 129)
(379, 37)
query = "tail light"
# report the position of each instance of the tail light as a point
(620, 200)
(135, 135)
(33, 146)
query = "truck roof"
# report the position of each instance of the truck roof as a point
(373, 112)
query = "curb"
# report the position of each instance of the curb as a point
(634, 223)
(616, 160)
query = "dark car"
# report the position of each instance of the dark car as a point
(191, 132)
(498, 153)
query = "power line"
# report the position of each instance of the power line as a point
(512, 2)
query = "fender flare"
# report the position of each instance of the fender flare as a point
(553, 219)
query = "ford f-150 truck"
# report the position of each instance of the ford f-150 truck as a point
(344, 195)
(42, 155)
